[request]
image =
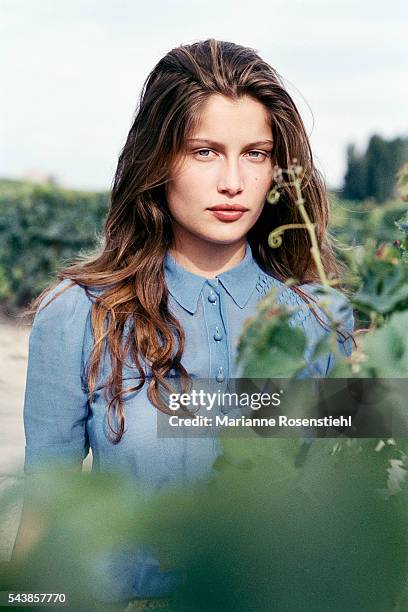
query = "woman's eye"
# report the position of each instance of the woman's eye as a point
(260, 154)
(203, 151)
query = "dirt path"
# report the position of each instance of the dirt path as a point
(13, 365)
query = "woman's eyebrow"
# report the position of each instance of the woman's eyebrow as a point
(212, 143)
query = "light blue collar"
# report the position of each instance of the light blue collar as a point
(186, 287)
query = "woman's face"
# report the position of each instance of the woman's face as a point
(227, 163)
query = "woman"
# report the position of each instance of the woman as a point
(184, 263)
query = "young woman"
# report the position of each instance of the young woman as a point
(184, 263)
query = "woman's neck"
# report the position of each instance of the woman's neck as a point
(208, 259)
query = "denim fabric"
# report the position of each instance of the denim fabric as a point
(61, 424)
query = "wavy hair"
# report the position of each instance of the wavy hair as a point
(128, 268)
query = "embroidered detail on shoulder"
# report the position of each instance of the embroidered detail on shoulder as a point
(265, 284)
(285, 296)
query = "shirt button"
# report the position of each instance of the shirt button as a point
(218, 335)
(212, 297)
(220, 375)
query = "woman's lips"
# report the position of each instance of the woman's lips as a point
(227, 215)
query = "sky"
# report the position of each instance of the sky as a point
(72, 71)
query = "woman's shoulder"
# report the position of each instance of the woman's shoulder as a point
(326, 299)
(331, 301)
(66, 307)
(62, 327)
(65, 298)
(334, 297)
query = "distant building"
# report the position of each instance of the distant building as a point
(35, 176)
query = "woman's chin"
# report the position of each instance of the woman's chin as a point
(226, 238)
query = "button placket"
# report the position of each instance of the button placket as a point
(217, 333)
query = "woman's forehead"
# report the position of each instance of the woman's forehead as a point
(219, 111)
(220, 114)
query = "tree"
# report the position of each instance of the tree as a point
(373, 173)
(355, 181)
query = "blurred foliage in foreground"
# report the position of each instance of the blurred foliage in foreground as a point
(282, 525)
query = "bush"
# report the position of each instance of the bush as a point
(42, 227)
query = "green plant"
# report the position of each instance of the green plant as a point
(41, 228)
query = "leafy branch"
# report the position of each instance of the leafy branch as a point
(295, 174)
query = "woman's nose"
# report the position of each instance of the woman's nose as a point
(230, 179)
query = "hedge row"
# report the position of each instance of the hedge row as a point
(41, 228)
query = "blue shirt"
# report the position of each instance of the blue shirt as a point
(61, 424)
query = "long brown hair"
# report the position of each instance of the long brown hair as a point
(128, 269)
